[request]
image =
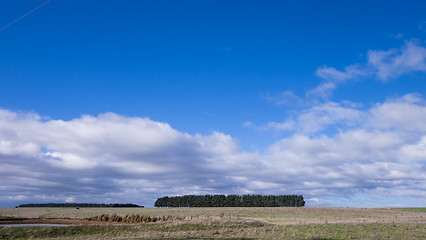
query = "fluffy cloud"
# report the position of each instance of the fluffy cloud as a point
(350, 163)
(320, 117)
(113, 158)
(408, 113)
(380, 151)
(98, 153)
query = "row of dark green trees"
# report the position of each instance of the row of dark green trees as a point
(231, 201)
(92, 205)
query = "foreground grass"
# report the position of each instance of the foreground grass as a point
(220, 229)
(141, 231)
(229, 223)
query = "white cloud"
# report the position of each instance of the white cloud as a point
(53, 156)
(414, 152)
(333, 78)
(287, 125)
(286, 98)
(10, 148)
(319, 117)
(395, 62)
(333, 75)
(69, 160)
(70, 199)
(116, 158)
(408, 113)
(283, 126)
(381, 64)
(346, 162)
(322, 91)
(248, 124)
(17, 198)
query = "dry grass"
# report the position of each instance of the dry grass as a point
(228, 223)
(133, 218)
(272, 215)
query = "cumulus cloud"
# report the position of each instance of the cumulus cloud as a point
(319, 117)
(347, 164)
(97, 153)
(407, 112)
(113, 158)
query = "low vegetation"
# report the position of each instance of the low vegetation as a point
(220, 223)
(215, 229)
(133, 218)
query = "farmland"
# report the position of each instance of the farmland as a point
(224, 223)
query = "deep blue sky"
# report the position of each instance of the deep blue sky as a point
(210, 66)
(208, 61)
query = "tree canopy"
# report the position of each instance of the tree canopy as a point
(231, 201)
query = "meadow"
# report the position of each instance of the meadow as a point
(221, 223)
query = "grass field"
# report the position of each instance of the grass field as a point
(227, 223)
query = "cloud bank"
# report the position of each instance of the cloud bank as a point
(337, 153)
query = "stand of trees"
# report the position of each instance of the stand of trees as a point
(231, 201)
(92, 205)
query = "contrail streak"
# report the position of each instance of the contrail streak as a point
(39, 6)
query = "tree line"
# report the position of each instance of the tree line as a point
(92, 205)
(231, 201)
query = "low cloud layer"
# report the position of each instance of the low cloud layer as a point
(337, 153)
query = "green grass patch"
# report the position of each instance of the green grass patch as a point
(421, 209)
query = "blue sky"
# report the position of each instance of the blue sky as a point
(320, 98)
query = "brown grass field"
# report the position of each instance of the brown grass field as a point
(220, 223)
